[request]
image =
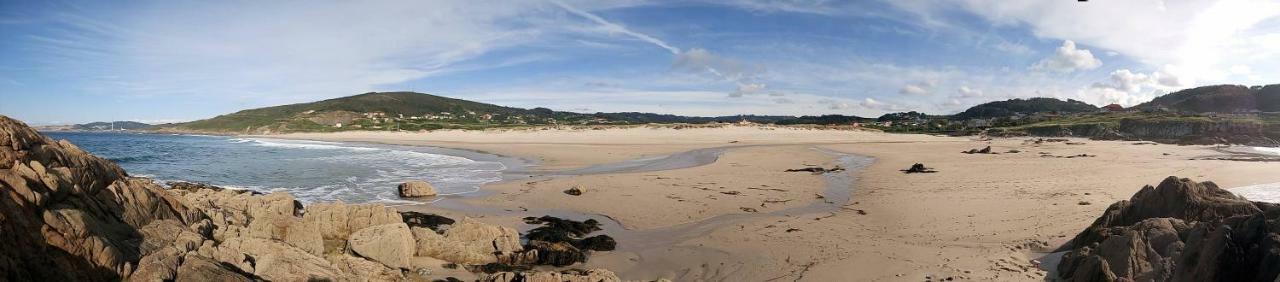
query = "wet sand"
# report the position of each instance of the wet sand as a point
(741, 217)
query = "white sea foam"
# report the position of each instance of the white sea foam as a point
(301, 144)
(1268, 150)
(1262, 192)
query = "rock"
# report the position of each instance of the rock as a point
(198, 268)
(366, 270)
(597, 243)
(816, 170)
(337, 220)
(428, 243)
(574, 191)
(918, 168)
(556, 231)
(986, 150)
(71, 216)
(425, 220)
(413, 189)
(468, 242)
(1180, 230)
(274, 260)
(571, 275)
(389, 244)
(480, 235)
(557, 254)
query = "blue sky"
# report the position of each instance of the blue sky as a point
(159, 61)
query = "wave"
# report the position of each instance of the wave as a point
(132, 159)
(301, 144)
(1268, 150)
(1260, 193)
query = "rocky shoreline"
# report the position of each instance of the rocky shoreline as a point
(71, 216)
(1180, 230)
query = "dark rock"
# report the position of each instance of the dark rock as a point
(574, 191)
(597, 243)
(1180, 230)
(577, 228)
(193, 186)
(557, 254)
(986, 150)
(500, 267)
(561, 242)
(816, 169)
(431, 221)
(918, 168)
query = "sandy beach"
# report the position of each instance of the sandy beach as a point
(744, 218)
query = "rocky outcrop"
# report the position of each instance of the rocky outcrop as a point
(66, 215)
(1180, 230)
(1183, 130)
(414, 189)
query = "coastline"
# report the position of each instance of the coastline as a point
(981, 217)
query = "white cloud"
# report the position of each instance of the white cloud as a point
(913, 89)
(747, 89)
(873, 104)
(833, 104)
(1125, 80)
(966, 92)
(1204, 38)
(1068, 58)
(1013, 48)
(616, 28)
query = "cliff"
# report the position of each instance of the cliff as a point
(1187, 131)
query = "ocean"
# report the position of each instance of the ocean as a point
(312, 171)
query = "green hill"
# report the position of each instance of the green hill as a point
(417, 111)
(1218, 99)
(119, 125)
(373, 110)
(1029, 106)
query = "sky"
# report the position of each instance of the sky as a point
(166, 61)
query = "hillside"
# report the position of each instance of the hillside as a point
(1029, 106)
(119, 125)
(417, 111)
(371, 111)
(1218, 99)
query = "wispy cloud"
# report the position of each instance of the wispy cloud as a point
(613, 27)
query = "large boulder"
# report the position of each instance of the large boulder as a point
(337, 220)
(479, 235)
(414, 189)
(389, 244)
(1181, 230)
(428, 243)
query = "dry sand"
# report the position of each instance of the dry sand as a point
(980, 217)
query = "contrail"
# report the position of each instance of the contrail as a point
(617, 28)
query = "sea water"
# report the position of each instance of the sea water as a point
(1262, 192)
(312, 171)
